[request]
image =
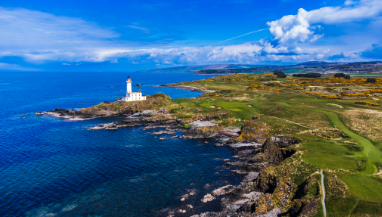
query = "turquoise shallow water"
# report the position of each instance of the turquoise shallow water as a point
(53, 166)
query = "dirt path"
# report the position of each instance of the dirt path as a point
(323, 192)
(292, 122)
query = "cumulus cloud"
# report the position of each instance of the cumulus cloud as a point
(293, 29)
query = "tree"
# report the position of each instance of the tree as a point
(280, 74)
(371, 80)
(347, 76)
(308, 75)
(339, 75)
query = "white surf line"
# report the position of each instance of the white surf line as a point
(292, 122)
(323, 192)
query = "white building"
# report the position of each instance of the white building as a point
(132, 96)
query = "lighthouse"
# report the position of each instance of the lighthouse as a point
(128, 81)
(130, 95)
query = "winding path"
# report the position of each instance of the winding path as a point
(292, 122)
(323, 192)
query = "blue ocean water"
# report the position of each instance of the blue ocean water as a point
(55, 167)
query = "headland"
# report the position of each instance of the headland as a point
(284, 131)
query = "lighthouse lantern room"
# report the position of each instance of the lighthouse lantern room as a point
(130, 95)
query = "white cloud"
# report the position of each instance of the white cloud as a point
(30, 33)
(293, 29)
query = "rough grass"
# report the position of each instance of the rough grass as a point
(366, 122)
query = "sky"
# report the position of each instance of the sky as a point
(125, 35)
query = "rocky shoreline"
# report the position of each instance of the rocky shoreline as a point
(252, 156)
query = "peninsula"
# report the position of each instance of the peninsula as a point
(304, 146)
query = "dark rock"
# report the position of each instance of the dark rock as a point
(273, 148)
(256, 117)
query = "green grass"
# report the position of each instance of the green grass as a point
(329, 161)
(371, 190)
(328, 154)
(328, 146)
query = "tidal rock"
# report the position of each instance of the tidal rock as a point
(223, 190)
(191, 192)
(182, 211)
(164, 132)
(189, 206)
(161, 138)
(242, 146)
(207, 198)
(232, 133)
(240, 172)
(39, 113)
(218, 145)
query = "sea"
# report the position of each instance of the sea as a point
(55, 167)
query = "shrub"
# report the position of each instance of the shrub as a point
(371, 80)
(308, 75)
(229, 122)
(339, 75)
(367, 103)
(280, 74)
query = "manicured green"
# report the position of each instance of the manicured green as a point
(328, 146)
(329, 161)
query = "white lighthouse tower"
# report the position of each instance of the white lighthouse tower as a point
(128, 81)
(130, 95)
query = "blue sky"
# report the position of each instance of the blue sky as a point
(122, 35)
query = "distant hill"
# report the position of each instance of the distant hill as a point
(310, 63)
(305, 67)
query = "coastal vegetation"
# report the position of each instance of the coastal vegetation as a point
(335, 119)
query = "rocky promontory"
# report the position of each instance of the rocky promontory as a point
(269, 165)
